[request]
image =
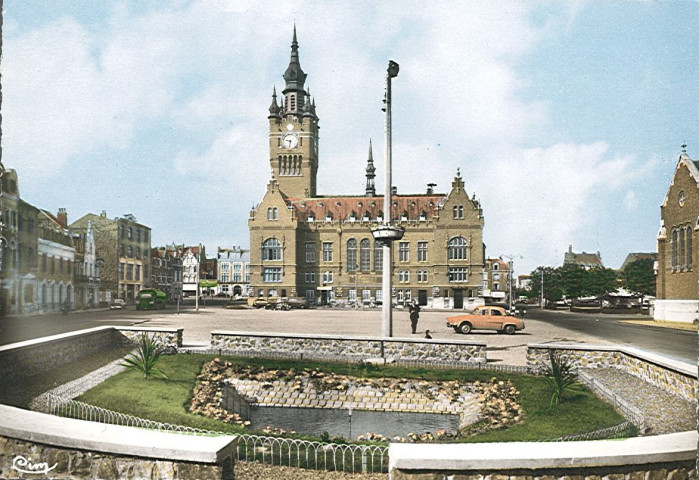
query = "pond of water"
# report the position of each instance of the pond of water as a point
(339, 423)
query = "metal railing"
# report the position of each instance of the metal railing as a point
(623, 430)
(288, 452)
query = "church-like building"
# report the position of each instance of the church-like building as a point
(320, 247)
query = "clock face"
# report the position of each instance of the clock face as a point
(290, 141)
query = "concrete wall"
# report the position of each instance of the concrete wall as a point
(686, 311)
(662, 457)
(22, 359)
(348, 348)
(34, 445)
(672, 376)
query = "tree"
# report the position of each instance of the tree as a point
(599, 281)
(552, 283)
(639, 276)
(574, 280)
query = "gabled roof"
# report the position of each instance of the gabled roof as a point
(691, 165)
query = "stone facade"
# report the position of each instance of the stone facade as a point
(668, 377)
(349, 349)
(321, 247)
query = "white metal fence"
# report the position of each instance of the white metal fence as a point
(289, 452)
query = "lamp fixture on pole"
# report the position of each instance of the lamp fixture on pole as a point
(386, 232)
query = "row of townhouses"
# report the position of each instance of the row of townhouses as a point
(48, 263)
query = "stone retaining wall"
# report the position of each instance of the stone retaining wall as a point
(34, 445)
(169, 339)
(350, 349)
(402, 397)
(672, 376)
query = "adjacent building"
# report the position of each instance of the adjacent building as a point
(37, 258)
(124, 246)
(233, 271)
(678, 261)
(587, 260)
(166, 271)
(320, 247)
(87, 267)
(192, 258)
(497, 278)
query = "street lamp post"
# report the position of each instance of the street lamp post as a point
(387, 233)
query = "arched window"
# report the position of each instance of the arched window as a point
(271, 249)
(457, 248)
(673, 248)
(365, 255)
(351, 255)
(689, 247)
(681, 249)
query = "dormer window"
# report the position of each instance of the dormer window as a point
(404, 217)
(328, 217)
(311, 218)
(423, 216)
(366, 217)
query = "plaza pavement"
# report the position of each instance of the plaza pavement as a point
(501, 348)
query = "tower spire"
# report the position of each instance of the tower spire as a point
(370, 174)
(294, 93)
(274, 107)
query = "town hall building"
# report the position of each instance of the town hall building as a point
(320, 247)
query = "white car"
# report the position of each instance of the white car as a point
(117, 303)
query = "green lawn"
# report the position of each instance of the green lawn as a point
(166, 400)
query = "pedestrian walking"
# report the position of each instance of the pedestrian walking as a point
(414, 310)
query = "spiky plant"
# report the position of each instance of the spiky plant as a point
(145, 358)
(560, 377)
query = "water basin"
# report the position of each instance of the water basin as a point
(339, 423)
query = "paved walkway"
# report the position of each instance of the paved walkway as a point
(664, 412)
(505, 349)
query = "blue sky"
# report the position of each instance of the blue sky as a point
(564, 118)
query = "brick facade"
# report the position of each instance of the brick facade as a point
(321, 247)
(678, 238)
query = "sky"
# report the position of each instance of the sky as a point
(565, 119)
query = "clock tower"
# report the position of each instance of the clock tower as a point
(293, 133)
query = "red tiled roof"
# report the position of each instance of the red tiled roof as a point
(342, 207)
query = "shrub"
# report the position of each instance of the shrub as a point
(145, 358)
(560, 377)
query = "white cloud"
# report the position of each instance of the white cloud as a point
(631, 200)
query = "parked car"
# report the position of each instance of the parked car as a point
(297, 302)
(117, 303)
(260, 302)
(486, 318)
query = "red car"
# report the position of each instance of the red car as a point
(486, 318)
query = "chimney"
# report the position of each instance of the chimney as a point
(62, 217)
(394, 190)
(430, 188)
